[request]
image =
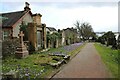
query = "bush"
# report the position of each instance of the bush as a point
(31, 48)
(9, 47)
(118, 46)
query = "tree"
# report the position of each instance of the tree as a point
(101, 39)
(110, 39)
(85, 30)
(77, 24)
(118, 42)
(94, 36)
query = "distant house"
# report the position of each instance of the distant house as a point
(51, 30)
(69, 36)
(36, 30)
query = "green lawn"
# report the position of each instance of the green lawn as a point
(109, 57)
(34, 62)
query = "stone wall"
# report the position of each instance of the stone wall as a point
(8, 31)
(69, 36)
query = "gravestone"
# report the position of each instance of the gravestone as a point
(10, 75)
(22, 51)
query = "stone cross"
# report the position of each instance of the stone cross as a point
(21, 51)
(21, 37)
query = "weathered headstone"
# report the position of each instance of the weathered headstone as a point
(22, 51)
(10, 75)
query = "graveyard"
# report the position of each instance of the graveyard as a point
(33, 50)
(39, 64)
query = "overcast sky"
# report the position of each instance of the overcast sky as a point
(102, 15)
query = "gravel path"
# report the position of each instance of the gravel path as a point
(86, 64)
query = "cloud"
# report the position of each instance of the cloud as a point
(11, 6)
(103, 16)
(60, 0)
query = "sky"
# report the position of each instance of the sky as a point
(101, 14)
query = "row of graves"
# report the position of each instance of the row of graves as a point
(60, 58)
(22, 52)
(37, 37)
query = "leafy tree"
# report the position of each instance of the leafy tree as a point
(77, 24)
(85, 30)
(54, 36)
(101, 39)
(48, 36)
(110, 39)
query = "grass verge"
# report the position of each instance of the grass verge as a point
(109, 57)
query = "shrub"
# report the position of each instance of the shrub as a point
(31, 48)
(9, 47)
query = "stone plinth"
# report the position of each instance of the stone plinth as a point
(22, 51)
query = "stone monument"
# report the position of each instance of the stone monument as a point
(21, 51)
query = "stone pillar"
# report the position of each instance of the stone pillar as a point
(63, 38)
(48, 43)
(59, 42)
(56, 43)
(44, 35)
(22, 51)
(32, 35)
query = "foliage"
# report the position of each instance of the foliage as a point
(101, 39)
(85, 30)
(94, 36)
(77, 24)
(53, 38)
(110, 58)
(108, 39)
(23, 27)
(31, 47)
(9, 47)
(118, 42)
(48, 36)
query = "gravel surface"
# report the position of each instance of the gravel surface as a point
(86, 64)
